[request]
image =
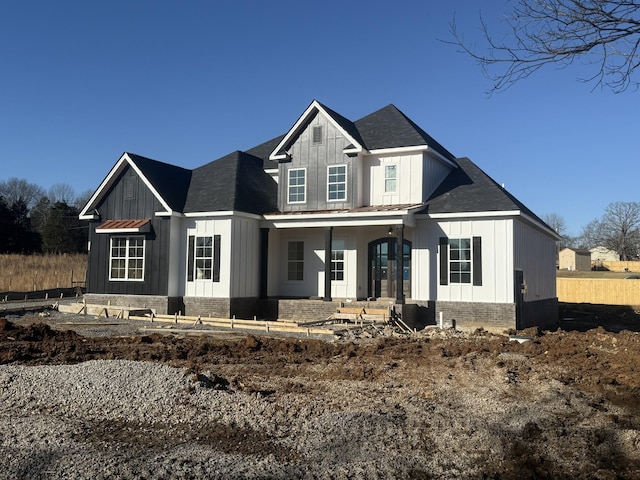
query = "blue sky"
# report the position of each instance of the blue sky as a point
(188, 82)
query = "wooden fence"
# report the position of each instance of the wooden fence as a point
(617, 266)
(598, 291)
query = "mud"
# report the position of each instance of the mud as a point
(588, 380)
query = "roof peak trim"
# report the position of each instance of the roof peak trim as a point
(314, 107)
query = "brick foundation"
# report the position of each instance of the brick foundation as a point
(497, 317)
(159, 304)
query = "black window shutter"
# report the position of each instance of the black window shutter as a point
(216, 258)
(444, 261)
(477, 261)
(190, 258)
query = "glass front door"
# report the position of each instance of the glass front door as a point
(382, 268)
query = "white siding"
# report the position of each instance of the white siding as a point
(409, 170)
(535, 255)
(497, 261)
(418, 175)
(210, 227)
(356, 267)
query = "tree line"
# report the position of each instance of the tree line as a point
(33, 220)
(618, 229)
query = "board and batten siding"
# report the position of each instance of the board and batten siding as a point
(497, 260)
(409, 172)
(535, 255)
(143, 204)
(245, 257)
(208, 228)
(315, 158)
(417, 176)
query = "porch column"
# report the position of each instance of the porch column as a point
(328, 234)
(264, 261)
(400, 265)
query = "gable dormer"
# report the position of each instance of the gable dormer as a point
(317, 162)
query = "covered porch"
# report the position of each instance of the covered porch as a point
(355, 254)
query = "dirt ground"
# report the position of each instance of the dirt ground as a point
(583, 379)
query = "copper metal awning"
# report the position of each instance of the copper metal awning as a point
(124, 226)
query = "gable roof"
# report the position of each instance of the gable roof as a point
(168, 183)
(383, 129)
(235, 182)
(341, 123)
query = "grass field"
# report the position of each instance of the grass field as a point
(27, 273)
(593, 274)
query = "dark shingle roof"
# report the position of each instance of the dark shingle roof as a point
(390, 128)
(234, 182)
(264, 150)
(468, 189)
(346, 124)
(170, 182)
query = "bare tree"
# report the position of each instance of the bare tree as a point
(556, 222)
(606, 34)
(82, 199)
(617, 230)
(18, 190)
(62, 192)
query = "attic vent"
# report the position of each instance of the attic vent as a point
(129, 189)
(316, 134)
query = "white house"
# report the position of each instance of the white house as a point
(369, 210)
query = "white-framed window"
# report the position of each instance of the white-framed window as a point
(295, 261)
(337, 260)
(460, 260)
(297, 185)
(336, 183)
(390, 172)
(203, 258)
(126, 259)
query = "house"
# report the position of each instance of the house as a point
(574, 259)
(603, 254)
(334, 210)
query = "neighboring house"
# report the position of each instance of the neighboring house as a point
(603, 254)
(574, 259)
(333, 210)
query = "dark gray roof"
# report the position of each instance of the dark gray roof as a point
(468, 189)
(170, 182)
(390, 128)
(234, 182)
(264, 150)
(346, 124)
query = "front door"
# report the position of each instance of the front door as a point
(382, 268)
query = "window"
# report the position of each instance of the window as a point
(460, 260)
(127, 258)
(316, 134)
(204, 258)
(389, 178)
(337, 183)
(337, 260)
(297, 185)
(295, 261)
